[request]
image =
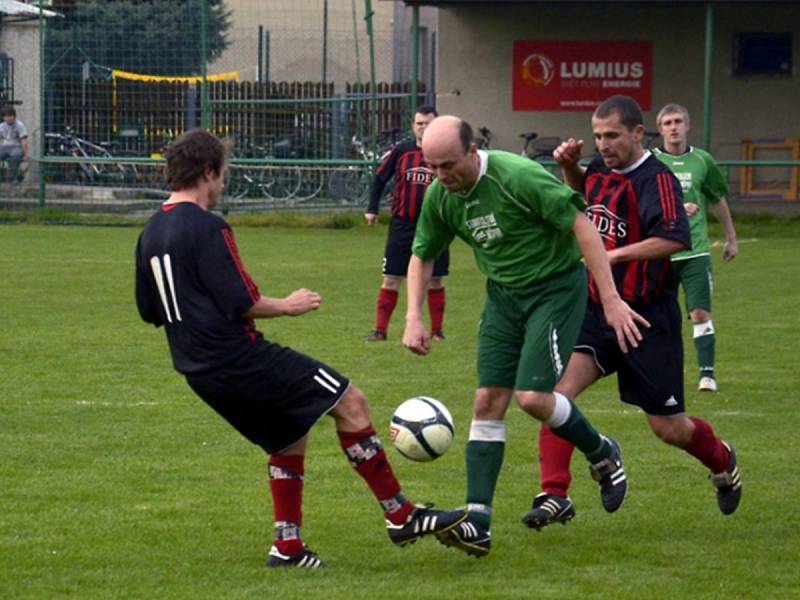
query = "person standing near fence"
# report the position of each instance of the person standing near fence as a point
(191, 281)
(704, 187)
(13, 142)
(412, 177)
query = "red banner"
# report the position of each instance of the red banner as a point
(580, 75)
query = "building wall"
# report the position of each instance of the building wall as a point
(20, 41)
(475, 67)
(296, 39)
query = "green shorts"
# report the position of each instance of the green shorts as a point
(694, 274)
(526, 335)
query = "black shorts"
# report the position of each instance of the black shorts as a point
(274, 399)
(398, 251)
(650, 376)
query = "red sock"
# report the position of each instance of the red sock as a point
(387, 300)
(436, 303)
(555, 454)
(707, 447)
(286, 485)
(367, 457)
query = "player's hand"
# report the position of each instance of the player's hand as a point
(568, 153)
(416, 338)
(730, 251)
(301, 301)
(370, 218)
(691, 209)
(625, 322)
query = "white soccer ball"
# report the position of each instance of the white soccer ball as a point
(422, 429)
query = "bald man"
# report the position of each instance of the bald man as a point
(528, 234)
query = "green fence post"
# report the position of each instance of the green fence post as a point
(42, 82)
(414, 60)
(205, 121)
(709, 48)
(372, 76)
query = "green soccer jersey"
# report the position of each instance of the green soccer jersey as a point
(703, 184)
(517, 219)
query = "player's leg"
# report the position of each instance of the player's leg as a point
(436, 295)
(697, 280)
(405, 521)
(395, 266)
(652, 378)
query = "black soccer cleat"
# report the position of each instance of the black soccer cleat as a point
(376, 336)
(728, 484)
(424, 521)
(610, 474)
(468, 536)
(305, 559)
(548, 509)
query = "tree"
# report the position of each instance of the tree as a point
(156, 37)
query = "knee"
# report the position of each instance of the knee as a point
(536, 404)
(391, 283)
(674, 432)
(352, 410)
(489, 405)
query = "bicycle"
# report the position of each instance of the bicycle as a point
(88, 173)
(542, 149)
(484, 141)
(353, 183)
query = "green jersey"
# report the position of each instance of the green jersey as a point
(703, 184)
(517, 219)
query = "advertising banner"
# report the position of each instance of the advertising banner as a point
(568, 75)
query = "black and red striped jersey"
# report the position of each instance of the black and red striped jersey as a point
(631, 205)
(412, 177)
(190, 279)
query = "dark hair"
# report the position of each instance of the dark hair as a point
(426, 109)
(190, 155)
(8, 111)
(465, 135)
(625, 108)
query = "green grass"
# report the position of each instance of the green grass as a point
(117, 482)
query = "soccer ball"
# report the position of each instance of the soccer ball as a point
(421, 429)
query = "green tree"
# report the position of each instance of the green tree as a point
(156, 37)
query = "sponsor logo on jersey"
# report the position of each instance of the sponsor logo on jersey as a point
(609, 225)
(685, 179)
(484, 229)
(419, 175)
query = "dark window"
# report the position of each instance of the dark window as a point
(763, 54)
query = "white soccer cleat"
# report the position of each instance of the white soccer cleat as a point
(707, 384)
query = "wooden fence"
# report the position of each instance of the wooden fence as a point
(140, 116)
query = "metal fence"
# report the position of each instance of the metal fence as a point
(299, 86)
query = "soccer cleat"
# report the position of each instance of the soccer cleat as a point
(376, 336)
(468, 536)
(548, 509)
(438, 336)
(305, 559)
(424, 521)
(707, 384)
(728, 484)
(610, 474)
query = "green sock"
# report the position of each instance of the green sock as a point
(484, 460)
(580, 432)
(705, 354)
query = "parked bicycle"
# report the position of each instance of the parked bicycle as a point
(90, 172)
(353, 183)
(484, 141)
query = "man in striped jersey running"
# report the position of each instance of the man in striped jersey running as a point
(636, 204)
(191, 281)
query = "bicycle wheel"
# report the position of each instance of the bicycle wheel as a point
(344, 185)
(311, 183)
(280, 183)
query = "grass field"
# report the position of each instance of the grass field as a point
(117, 482)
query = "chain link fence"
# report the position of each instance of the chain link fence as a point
(310, 92)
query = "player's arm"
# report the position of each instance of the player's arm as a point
(382, 176)
(621, 317)
(653, 248)
(297, 303)
(145, 292)
(24, 143)
(420, 272)
(723, 213)
(568, 155)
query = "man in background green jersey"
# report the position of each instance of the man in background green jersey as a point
(528, 233)
(704, 187)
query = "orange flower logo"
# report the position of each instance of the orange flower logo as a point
(537, 70)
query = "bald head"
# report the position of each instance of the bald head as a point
(449, 150)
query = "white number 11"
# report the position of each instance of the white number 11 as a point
(158, 273)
